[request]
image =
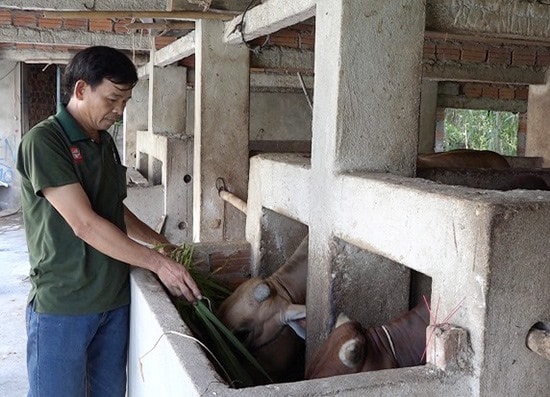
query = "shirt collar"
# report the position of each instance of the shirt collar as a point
(71, 127)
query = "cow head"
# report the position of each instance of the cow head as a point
(268, 316)
(350, 348)
(257, 311)
(263, 317)
(343, 352)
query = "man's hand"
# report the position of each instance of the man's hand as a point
(178, 281)
(73, 204)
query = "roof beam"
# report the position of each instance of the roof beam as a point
(503, 105)
(484, 73)
(10, 34)
(265, 18)
(49, 57)
(179, 49)
(36, 56)
(268, 17)
(510, 19)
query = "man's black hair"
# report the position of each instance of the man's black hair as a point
(94, 64)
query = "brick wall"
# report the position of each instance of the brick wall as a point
(441, 50)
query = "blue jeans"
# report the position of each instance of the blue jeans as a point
(77, 356)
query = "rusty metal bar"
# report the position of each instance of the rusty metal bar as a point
(233, 200)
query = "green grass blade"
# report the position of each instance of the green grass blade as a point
(227, 359)
(201, 307)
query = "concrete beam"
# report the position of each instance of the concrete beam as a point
(179, 49)
(485, 73)
(280, 82)
(47, 57)
(511, 19)
(229, 5)
(261, 20)
(97, 5)
(268, 17)
(503, 105)
(36, 56)
(10, 34)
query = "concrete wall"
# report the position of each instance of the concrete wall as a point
(458, 236)
(538, 131)
(274, 115)
(10, 136)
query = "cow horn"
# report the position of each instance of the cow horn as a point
(261, 292)
(351, 353)
(341, 319)
(538, 339)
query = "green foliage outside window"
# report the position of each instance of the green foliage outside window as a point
(482, 130)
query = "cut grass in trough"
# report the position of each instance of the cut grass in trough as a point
(238, 366)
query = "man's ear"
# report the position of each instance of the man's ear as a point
(79, 89)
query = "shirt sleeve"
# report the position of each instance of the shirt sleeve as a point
(45, 160)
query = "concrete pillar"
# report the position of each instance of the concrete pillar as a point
(366, 99)
(428, 110)
(167, 101)
(538, 129)
(178, 189)
(135, 119)
(221, 133)
(10, 136)
(165, 153)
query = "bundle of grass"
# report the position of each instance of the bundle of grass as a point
(231, 358)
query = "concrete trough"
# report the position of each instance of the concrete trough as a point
(162, 363)
(485, 252)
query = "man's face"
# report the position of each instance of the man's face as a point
(104, 104)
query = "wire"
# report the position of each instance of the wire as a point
(183, 336)
(7, 74)
(240, 27)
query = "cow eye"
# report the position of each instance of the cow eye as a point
(261, 292)
(242, 334)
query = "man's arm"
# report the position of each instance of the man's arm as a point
(139, 230)
(73, 205)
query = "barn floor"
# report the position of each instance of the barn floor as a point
(14, 287)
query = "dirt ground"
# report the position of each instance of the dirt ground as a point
(14, 287)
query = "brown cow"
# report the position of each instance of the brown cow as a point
(267, 314)
(463, 158)
(469, 158)
(350, 348)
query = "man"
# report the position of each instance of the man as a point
(81, 237)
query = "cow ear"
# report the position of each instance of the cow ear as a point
(261, 292)
(351, 353)
(295, 317)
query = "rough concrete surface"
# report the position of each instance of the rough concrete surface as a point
(14, 287)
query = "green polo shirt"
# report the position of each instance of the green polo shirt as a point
(68, 276)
